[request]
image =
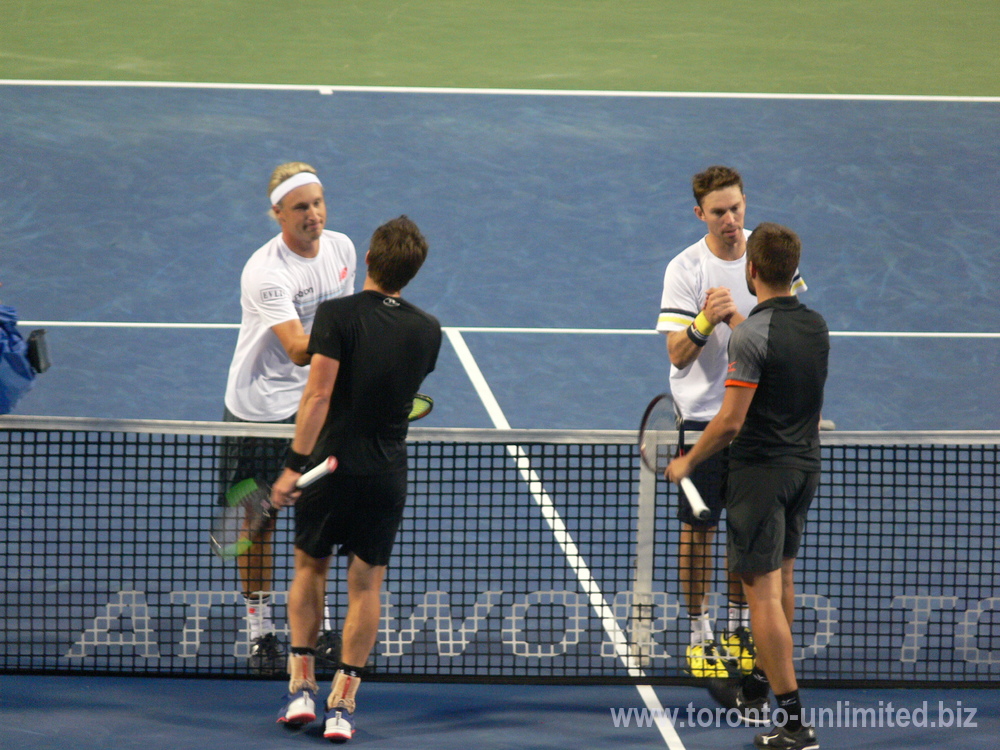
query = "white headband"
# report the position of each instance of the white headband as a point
(295, 181)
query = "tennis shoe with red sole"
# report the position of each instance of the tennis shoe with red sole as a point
(299, 708)
(338, 724)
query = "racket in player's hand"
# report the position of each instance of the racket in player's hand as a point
(248, 504)
(248, 510)
(658, 447)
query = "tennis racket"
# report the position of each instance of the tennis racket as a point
(248, 509)
(658, 447)
(422, 406)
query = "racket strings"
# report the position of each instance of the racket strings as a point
(247, 511)
(422, 405)
(238, 492)
(658, 434)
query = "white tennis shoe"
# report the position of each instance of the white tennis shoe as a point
(299, 708)
(339, 724)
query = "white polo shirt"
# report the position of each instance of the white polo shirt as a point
(698, 389)
(278, 285)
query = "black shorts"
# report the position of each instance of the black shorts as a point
(766, 514)
(710, 478)
(360, 513)
(250, 457)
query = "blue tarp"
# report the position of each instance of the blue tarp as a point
(16, 374)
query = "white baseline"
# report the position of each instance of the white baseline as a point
(512, 329)
(331, 89)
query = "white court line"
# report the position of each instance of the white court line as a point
(331, 89)
(497, 329)
(564, 539)
(644, 331)
(113, 324)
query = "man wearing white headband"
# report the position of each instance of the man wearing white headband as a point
(282, 284)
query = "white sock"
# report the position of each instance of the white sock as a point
(739, 616)
(327, 622)
(259, 615)
(701, 629)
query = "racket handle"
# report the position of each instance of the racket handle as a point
(698, 506)
(317, 472)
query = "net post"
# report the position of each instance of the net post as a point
(642, 587)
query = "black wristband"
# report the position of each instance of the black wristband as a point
(296, 461)
(696, 336)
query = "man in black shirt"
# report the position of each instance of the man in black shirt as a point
(370, 352)
(770, 413)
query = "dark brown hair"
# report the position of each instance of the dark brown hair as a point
(714, 178)
(774, 250)
(395, 254)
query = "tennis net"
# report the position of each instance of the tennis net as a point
(523, 555)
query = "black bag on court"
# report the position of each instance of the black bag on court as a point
(38, 351)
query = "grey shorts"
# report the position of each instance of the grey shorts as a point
(709, 477)
(250, 457)
(766, 510)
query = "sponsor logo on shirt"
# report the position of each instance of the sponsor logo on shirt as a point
(343, 273)
(303, 293)
(732, 367)
(270, 294)
(390, 302)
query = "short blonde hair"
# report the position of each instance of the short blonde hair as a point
(281, 173)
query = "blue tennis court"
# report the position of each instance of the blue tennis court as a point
(551, 219)
(41, 713)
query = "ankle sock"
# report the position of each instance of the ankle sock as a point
(755, 684)
(791, 704)
(739, 616)
(701, 629)
(258, 615)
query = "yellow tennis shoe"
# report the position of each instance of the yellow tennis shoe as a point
(740, 649)
(706, 659)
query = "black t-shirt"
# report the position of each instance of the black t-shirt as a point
(782, 349)
(386, 347)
